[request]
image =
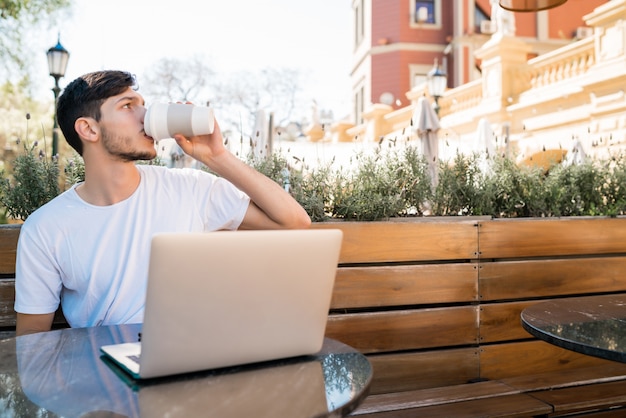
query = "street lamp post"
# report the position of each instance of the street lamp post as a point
(57, 64)
(437, 82)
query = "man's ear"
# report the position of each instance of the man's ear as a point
(87, 129)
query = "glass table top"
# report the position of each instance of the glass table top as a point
(61, 373)
(593, 325)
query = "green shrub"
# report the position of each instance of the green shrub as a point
(315, 192)
(74, 170)
(458, 191)
(373, 191)
(518, 191)
(615, 186)
(409, 169)
(577, 190)
(32, 178)
(390, 182)
(33, 183)
(394, 183)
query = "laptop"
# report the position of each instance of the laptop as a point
(230, 298)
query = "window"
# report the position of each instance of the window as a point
(419, 75)
(426, 14)
(359, 105)
(419, 80)
(479, 17)
(359, 22)
(424, 11)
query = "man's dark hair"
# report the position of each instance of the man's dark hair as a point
(83, 98)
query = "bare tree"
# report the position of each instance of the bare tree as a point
(179, 80)
(237, 97)
(17, 18)
(275, 90)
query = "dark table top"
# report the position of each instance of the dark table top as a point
(593, 325)
(62, 372)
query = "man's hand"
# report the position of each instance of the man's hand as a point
(271, 206)
(204, 148)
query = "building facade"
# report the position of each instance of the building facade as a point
(396, 42)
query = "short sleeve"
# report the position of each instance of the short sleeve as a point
(37, 281)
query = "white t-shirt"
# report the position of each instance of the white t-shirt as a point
(94, 259)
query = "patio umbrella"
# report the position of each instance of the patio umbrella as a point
(485, 144)
(576, 156)
(484, 138)
(259, 141)
(426, 124)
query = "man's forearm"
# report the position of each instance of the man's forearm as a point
(30, 324)
(266, 194)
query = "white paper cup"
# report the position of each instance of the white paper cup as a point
(164, 120)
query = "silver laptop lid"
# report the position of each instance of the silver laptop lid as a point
(226, 298)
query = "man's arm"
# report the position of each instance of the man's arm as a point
(30, 323)
(271, 206)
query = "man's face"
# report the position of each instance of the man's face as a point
(122, 131)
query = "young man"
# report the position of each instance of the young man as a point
(88, 248)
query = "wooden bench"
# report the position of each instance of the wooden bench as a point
(8, 248)
(435, 303)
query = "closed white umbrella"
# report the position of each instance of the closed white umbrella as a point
(485, 145)
(484, 138)
(576, 156)
(260, 144)
(426, 125)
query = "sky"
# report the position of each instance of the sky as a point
(234, 35)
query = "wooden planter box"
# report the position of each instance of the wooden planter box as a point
(8, 246)
(435, 302)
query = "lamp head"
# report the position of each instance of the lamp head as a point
(437, 80)
(57, 60)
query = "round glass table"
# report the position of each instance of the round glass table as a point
(592, 325)
(62, 373)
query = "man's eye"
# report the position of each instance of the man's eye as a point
(126, 106)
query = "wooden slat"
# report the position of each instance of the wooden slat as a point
(612, 413)
(501, 361)
(421, 370)
(7, 299)
(7, 334)
(7, 312)
(501, 322)
(434, 396)
(551, 237)
(404, 285)
(373, 332)
(8, 247)
(371, 242)
(604, 373)
(582, 398)
(510, 406)
(544, 278)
